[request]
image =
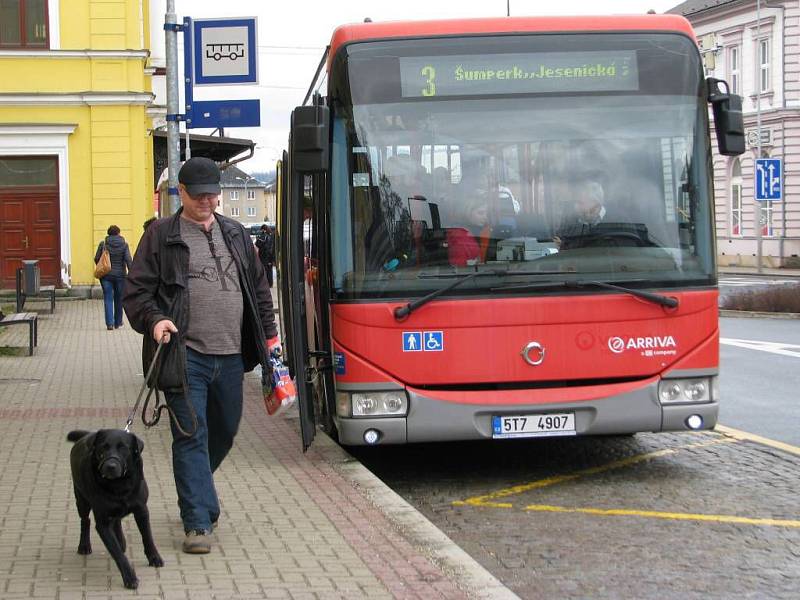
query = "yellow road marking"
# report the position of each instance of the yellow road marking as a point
(732, 435)
(743, 435)
(489, 499)
(666, 515)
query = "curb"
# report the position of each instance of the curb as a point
(464, 570)
(751, 314)
(788, 273)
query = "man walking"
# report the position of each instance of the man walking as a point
(197, 285)
(265, 242)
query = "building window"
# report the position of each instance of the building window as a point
(733, 68)
(234, 211)
(251, 194)
(766, 218)
(23, 24)
(763, 66)
(736, 198)
(251, 211)
(234, 194)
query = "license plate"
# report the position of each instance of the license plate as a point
(544, 425)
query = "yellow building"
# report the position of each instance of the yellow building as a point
(76, 154)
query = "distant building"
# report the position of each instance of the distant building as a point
(243, 197)
(760, 60)
(270, 198)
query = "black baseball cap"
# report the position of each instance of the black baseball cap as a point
(200, 175)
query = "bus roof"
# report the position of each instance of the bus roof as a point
(356, 32)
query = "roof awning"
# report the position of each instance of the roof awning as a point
(219, 149)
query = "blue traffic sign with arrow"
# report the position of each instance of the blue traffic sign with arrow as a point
(769, 179)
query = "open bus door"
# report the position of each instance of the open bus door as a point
(308, 155)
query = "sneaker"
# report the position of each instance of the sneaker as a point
(110, 327)
(197, 541)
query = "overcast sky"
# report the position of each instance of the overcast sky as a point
(292, 36)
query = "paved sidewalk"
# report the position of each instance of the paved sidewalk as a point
(293, 525)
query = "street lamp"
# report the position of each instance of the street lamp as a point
(248, 179)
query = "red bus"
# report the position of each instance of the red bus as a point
(501, 228)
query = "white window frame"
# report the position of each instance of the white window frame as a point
(736, 199)
(234, 211)
(251, 211)
(765, 222)
(734, 68)
(251, 194)
(234, 194)
(763, 58)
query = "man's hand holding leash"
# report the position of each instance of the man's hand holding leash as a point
(163, 329)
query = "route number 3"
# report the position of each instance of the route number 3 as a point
(430, 86)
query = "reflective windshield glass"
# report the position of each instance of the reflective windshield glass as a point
(534, 157)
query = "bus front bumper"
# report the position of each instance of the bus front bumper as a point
(434, 420)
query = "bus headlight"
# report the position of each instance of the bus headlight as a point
(694, 391)
(372, 404)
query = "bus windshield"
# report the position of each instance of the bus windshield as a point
(530, 156)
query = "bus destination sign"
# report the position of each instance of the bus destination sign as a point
(490, 74)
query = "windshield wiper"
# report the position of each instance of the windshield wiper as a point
(401, 312)
(649, 296)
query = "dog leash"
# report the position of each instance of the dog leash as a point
(150, 382)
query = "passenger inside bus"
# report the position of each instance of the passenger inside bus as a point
(469, 244)
(392, 229)
(587, 210)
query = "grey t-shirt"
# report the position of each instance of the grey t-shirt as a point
(215, 292)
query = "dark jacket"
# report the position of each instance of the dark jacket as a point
(119, 253)
(157, 288)
(265, 242)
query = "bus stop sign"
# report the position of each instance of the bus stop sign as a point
(224, 51)
(769, 179)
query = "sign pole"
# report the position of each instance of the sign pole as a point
(171, 29)
(759, 211)
(188, 76)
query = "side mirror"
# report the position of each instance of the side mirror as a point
(309, 138)
(728, 119)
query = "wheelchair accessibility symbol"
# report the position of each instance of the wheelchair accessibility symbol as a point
(433, 341)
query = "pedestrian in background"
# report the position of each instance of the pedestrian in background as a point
(265, 242)
(197, 283)
(114, 283)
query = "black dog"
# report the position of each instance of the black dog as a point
(108, 478)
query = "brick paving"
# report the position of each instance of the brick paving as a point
(293, 525)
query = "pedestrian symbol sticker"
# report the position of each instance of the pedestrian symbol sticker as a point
(434, 341)
(412, 341)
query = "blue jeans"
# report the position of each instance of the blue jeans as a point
(112, 298)
(215, 391)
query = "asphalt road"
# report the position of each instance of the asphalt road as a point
(760, 377)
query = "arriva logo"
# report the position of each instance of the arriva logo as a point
(618, 345)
